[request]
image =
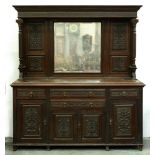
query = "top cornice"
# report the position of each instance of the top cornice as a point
(92, 11)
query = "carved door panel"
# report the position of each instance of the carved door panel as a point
(123, 121)
(62, 126)
(92, 127)
(29, 124)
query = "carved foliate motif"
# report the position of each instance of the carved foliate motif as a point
(119, 63)
(123, 121)
(119, 38)
(35, 36)
(35, 63)
(63, 126)
(91, 124)
(31, 121)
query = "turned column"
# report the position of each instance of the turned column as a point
(21, 56)
(133, 48)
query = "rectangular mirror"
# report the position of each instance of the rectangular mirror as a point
(77, 47)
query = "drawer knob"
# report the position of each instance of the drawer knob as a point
(64, 104)
(91, 104)
(31, 94)
(91, 93)
(124, 93)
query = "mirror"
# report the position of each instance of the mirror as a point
(77, 47)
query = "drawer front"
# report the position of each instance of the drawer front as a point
(124, 92)
(77, 103)
(27, 93)
(77, 93)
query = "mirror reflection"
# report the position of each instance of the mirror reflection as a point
(77, 47)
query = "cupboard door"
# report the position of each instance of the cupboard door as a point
(123, 121)
(92, 127)
(62, 126)
(29, 125)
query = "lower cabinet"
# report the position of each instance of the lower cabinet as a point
(29, 126)
(44, 119)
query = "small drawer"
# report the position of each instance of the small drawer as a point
(77, 103)
(77, 93)
(27, 93)
(124, 92)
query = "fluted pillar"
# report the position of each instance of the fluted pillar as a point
(21, 56)
(133, 67)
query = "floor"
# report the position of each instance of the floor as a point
(79, 151)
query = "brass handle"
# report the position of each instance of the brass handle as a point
(91, 93)
(31, 94)
(124, 93)
(64, 104)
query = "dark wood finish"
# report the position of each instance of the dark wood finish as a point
(77, 109)
(76, 11)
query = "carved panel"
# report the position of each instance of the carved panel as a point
(119, 36)
(64, 126)
(91, 126)
(123, 121)
(36, 63)
(119, 63)
(35, 33)
(31, 121)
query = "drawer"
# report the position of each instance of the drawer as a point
(30, 93)
(77, 93)
(124, 92)
(77, 103)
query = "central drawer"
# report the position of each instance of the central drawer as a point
(76, 93)
(77, 103)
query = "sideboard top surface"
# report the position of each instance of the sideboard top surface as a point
(78, 82)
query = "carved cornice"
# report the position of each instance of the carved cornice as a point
(72, 11)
